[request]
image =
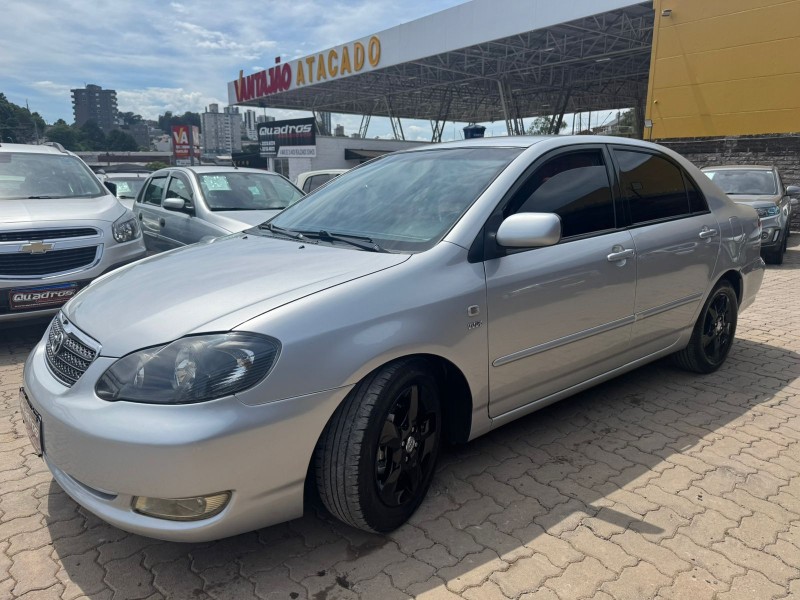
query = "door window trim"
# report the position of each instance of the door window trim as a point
(183, 179)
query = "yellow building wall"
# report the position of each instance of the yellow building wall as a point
(724, 67)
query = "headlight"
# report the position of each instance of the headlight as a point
(192, 369)
(126, 228)
(769, 211)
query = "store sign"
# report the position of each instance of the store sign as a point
(183, 138)
(286, 139)
(337, 62)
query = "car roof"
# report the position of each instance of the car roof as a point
(739, 168)
(323, 172)
(527, 141)
(34, 148)
(199, 170)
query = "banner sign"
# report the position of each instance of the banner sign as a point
(181, 148)
(288, 139)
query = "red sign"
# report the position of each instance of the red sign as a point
(181, 146)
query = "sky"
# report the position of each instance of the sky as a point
(178, 56)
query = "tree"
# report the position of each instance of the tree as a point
(541, 126)
(167, 120)
(18, 124)
(129, 118)
(120, 141)
(155, 166)
(92, 137)
(63, 134)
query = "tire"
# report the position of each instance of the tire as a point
(713, 333)
(370, 472)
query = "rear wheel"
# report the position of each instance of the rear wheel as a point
(376, 458)
(713, 332)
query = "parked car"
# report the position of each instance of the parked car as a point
(59, 229)
(183, 205)
(762, 188)
(311, 180)
(126, 184)
(431, 294)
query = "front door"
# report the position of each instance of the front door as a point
(561, 315)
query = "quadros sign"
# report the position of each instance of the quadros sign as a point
(291, 138)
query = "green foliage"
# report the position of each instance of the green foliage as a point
(541, 126)
(167, 120)
(18, 124)
(118, 140)
(129, 118)
(63, 134)
(92, 137)
(155, 166)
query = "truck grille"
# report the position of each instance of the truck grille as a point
(46, 234)
(55, 261)
(67, 356)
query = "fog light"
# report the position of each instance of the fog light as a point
(182, 509)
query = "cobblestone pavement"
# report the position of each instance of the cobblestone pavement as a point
(659, 484)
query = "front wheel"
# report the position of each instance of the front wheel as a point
(376, 458)
(713, 332)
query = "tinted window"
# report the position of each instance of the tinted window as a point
(154, 191)
(652, 185)
(697, 202)
(575, 186)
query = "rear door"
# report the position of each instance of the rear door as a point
(560, 315)
(677, 241)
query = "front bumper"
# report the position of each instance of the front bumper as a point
(103, 453)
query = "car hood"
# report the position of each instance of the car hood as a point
(213, 286)
(756, 201)
(239, 220)
(104, 208)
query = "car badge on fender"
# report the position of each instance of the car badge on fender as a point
(36, 248)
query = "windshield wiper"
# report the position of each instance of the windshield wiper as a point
(359, 241)
(290, 233)
(42, 197)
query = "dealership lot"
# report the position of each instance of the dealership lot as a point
(657, 484)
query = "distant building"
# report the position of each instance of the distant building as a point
(339, 130)
(141, 133)
(93, 103)
(222, 131)
(250, 125)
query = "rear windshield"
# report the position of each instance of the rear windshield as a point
(39, 176)
(128, 187)
(745, 182)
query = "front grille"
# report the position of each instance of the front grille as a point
(55, 261)
(67, 356)
(45, 234)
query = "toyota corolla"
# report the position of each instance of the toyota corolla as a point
(428, 295)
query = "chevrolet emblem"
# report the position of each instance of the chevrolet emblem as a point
(36, 248)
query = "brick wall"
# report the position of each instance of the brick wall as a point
(782, 151)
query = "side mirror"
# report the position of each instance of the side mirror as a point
(111, 187)
(174, 203)
(793, 191)
(530, 230)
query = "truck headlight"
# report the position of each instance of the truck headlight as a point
(192, 369)
(126, 228)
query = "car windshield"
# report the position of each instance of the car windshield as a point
(748, 182)
(247, 191)
(127, 187)
(404, 202)
(32, 175)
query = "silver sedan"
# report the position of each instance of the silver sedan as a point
(183, 205)
(428, 295)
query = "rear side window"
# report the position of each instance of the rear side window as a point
(154, 191)
(653, 186)
(697, 202)
(575, 186)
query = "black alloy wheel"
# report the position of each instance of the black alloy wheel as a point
(377, 456)
(713, 333)
(406, 447)
(717, 335)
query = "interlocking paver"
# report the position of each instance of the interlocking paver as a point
(659, 484)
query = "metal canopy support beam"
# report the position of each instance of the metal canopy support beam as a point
(362, 129)
(505, 107)
(323, 122)
(437, 124)
(397, 126)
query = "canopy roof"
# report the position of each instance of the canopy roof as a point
(484, 60)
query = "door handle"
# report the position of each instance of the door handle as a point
(621, 255)
(140, 216)
(707, 232)
(162, 222)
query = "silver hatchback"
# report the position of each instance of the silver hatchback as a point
(183, 205)
(428, 295)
